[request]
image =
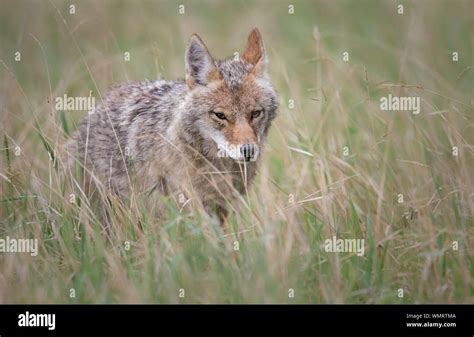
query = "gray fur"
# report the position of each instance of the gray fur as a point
(157, 132)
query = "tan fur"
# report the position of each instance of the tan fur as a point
(167, 136)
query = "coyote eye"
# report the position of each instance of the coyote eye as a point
(256, 113)
(219, 115)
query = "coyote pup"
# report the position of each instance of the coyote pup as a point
(201, 137)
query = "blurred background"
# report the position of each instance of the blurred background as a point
(335, 163)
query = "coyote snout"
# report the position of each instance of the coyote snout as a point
(192, 136)
(239, 152)
(245, 140)
(240, 145)
(249, 151)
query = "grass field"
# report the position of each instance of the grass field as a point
(335, 164)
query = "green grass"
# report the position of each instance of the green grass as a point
(336, 104)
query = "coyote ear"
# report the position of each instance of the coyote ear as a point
(200, 66)
(254, 53)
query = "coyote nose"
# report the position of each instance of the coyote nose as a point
(249, 151)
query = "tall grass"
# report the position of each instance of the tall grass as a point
(335, 164)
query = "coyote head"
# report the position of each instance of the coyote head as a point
(230, 104)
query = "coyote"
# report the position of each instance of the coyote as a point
(200, 137)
